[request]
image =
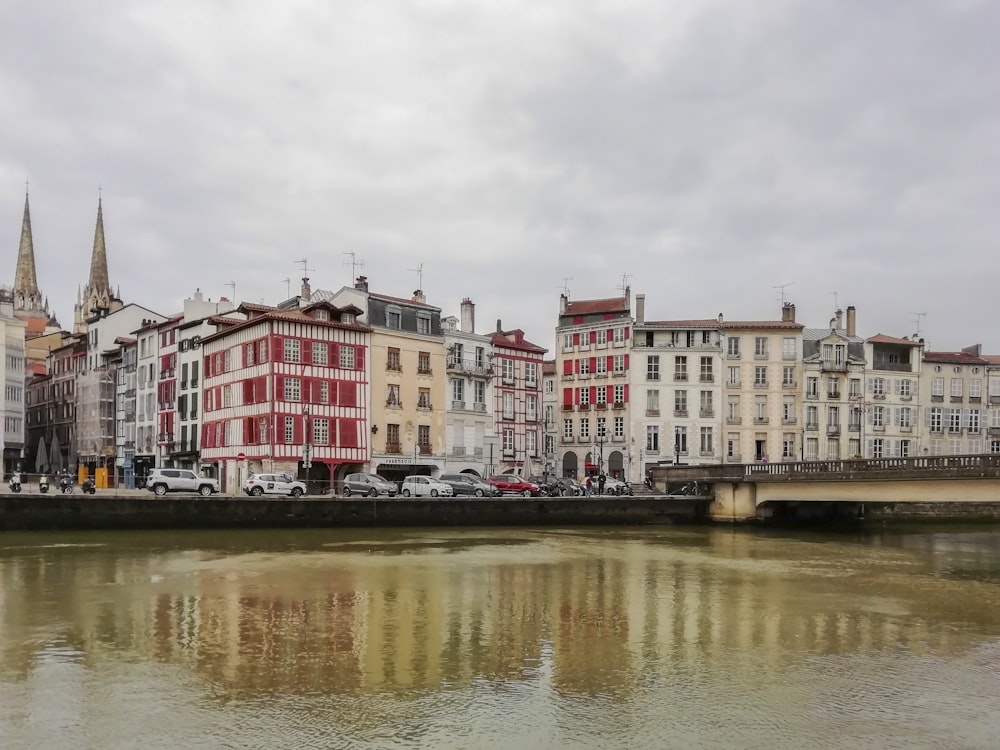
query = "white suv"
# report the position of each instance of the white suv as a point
(162, 481)
(420, 486)
(273, 484)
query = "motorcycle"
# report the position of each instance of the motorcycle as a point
(88, 486)
(43, 484)
(14, 484)
(66, 484)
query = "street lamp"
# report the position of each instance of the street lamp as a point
(600, 457)
(677, 446)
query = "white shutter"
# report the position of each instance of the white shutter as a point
(895, 416)
(897, 386)
(871, 386)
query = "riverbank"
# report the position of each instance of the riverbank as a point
(145, 511)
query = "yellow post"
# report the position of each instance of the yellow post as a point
(101, 480)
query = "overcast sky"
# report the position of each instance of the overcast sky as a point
(708, 152)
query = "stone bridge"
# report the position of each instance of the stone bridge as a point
(742, 492)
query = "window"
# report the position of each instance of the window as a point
(479, 392)
(458, 390)
(681, 439)
(550, 385)
(812, 387)
(602, 337)
(424, 438)
(584, 427)
(788, 348)
(905, 419)
(392, 438)
(531, 405)
(833, 388)
(289, 430)
(706, 409)
(249, 354)
(733, 347)
(531, 443)
(878, 387)
(583, 364)
(507, 366)
(833, 416)
(321, 431)
(601, 366)
(550, 444)
(583, 397)
(619, 427)
(680, 403)
(393, 319)
(707, 376)
(550, 414)
(937, 387)
(618, 363)
(935, 419)
(954, 417)
(653, 438)
(567, 341)
(733, 376)
(788, 445)
(653, 367)
(392, 395)
(976, 388)
(424, 363)
(293, 389)
(508, 405)
(788, 410)
(733, 446)
(567, 428)
(680, 368)
(392, 360)
(619, 335)
(292, 349)
(601, 393)
(423, 324)
(760, 347)
(812, 417)
(760, 409)
(346, 357)
(531, 374)
(508, 442)
(619, 394)
(956, 388)
(854, 388)
(320, 353)
(878, 417)
(424, 398)
(760, 376)
(788, 376)
(652, 402)
(602, 427)
(324, 391)
(733, 410)
(973, 422)
(706, 443)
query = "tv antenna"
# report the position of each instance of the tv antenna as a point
(565, 286)
(782, 287)
(918, 316)
(305, 268)
(232, 285)
(288, 288)
(836, 306)
(419, 271)
(624, 285)
(355, 263)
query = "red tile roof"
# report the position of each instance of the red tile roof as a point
(514, 339)
(790, 325)
(708, 323)
(274, 313)
(592, 306)
(993, 359)
(880, 338)
(954, 358)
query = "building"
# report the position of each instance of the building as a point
(887, 414)
(13, 376)
(286, 390)
(833, 368)
(408, 380)
(550, 421)
(470, 430)
(677, 387)
(763, 367)
(126, 376)
(58, 435)
(952, 401)
(517, 402)
(146, 411)
(592, 364)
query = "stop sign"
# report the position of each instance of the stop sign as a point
(241, 456)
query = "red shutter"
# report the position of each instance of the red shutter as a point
(348, 429)
(593, 364)
(248, 431)
(593, 394)
(277, 349)
(576, 395)
(261, 389)
(348, 393)
(568, 396)
(593, 337)
(611, 362)
(248, 392)
(627, 332)
(611, 334)
(576, 339)
(626, 361)
(609, 392)
(626, 393)
(567, 367)
(305, 346)
(298, 424)
(359, 358)
(279, 388)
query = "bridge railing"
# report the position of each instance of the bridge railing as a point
(917, 464)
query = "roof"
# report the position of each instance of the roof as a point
(880, 338)
(788, 325)
(954, 358)
(593, 306)
(514, 339)
(818, 334)
(401, 301)
(993, 359)
(549, 367)
(707, 323)
(273, 314)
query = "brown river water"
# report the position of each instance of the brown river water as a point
(653, 637)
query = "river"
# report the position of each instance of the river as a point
(652, 637)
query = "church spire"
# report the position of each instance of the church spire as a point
(98, 282)
(27, 298)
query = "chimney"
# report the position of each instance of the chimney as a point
(975, 350)
(851, 320)
(840, 319)
(499, 327)
(197, 295)
(788, 312)
(640, 309)
(468, 316)
(562, 304)
(418, 296)
(306, 293)
(361, 284)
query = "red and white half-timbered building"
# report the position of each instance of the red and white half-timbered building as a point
(517, 389)
(287, 390)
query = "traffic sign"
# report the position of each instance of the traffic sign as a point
(241, 456)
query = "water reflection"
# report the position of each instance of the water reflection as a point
(598, 617)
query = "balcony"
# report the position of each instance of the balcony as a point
(508, 415)
(457, 404)
(854, 427)
(790, 384)
(600, 406)
(393, 448)
(394, 403)
(680, 413)
(479, 406)
(833, 429)
(761, 420)
(680, 377)
(424, 405)
(812, 426)
(939, 398)
(567, 407)
(833, 395)
(458, 451)
(424, 449)
(709, 378)
(735, 421)
(760, 384)
(731, 384)
(812, 395)
(892, 366)
(828, 365)
(789, 421)
(652, 412)
(584, 407)
(618, 405)
(393, 367)
(706, 413)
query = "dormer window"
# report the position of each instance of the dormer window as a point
(321, 314)
(393, 318)
(347, 318)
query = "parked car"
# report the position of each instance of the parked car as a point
(369, 485)
(469, 484)
(614, 486)
(569, 487)
(511, 484)
(421, 486)
(273, 484)
(162, 481)
(547, 485)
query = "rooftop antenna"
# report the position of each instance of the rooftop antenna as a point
(354, 262)
(232, 285)
(782, 287)
(624, 285)
(565, 286)
(918, 316)
(288, 288)
(419, 271)
(836, 306)
(305, 268)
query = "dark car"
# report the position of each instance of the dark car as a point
(548, 485)
(511, 484)
(469, 484)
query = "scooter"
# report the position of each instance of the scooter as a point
(88, 486)
(14, 484)
(66, 484)
(43, 484)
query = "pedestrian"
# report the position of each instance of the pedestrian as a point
(590, 486)
(601, 481)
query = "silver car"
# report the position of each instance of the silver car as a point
(162, 481)
(368, 485)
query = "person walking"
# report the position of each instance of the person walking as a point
(601, 481)
(590, 486)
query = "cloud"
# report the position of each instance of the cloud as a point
(705, 152)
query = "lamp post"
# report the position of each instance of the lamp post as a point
(306, 443)
(677, 446)
(600, 455)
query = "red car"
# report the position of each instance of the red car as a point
(510, 484)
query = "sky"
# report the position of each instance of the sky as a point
(717, 157)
